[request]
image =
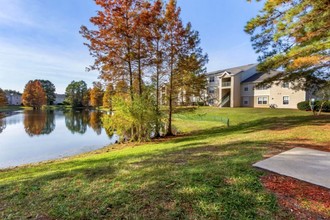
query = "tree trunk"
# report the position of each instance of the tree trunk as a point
(157, 129)
(320, 110)
(169, 129)
(139, 67)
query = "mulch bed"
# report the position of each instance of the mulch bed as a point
(302, 199)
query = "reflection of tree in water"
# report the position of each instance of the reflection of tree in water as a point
(39, 122)
(76, 121)
(95, 121)
(2, 122)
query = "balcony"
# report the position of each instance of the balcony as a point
(226, 84)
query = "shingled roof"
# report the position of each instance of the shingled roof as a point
(235, 70)
(259, 77)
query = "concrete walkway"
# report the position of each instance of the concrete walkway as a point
(312, 166)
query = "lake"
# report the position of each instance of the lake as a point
(34, 136)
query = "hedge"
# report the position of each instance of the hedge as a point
(304, 106)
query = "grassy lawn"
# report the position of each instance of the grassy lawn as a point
(204, 174)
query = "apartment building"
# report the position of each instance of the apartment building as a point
(237, 87)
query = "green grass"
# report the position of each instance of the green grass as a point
(205, 174)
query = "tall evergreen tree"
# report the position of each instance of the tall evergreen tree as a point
(49, 89)
(293, 36)
(77, 94)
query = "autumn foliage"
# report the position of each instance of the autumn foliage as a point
(3, 98)
(34, 95)
(140, 47)
(96, 95)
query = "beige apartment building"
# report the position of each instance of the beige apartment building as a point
(237, 87)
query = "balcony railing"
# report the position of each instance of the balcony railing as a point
(226, 84)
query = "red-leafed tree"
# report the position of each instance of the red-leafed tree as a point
(3, 98)
(34, 95)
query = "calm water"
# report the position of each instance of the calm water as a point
(34, 136)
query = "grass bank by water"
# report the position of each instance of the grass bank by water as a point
(204, 174)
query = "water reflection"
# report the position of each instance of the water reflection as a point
(39, 122)
(95, 122)
(61, 140)
(77, 121)
(2, 122)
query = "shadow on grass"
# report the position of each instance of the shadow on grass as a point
(196, 180)
(213, 181)
(272, 123)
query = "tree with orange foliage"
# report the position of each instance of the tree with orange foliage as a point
(34, 95)
(3, 98)
(137, 43)
(113, 45)
(96, 95)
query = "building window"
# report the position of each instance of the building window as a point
(246, 89)
(285, 100)
(211, 79)
(211, 91)
(285, 85)
(245, 100)
(263, 100)
(263, 87)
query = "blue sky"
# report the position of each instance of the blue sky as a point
(39, 39)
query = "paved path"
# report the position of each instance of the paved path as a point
(312, 166)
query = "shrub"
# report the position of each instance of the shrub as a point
(304, 106)
(133, 120)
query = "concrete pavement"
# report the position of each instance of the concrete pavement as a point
(309, 165)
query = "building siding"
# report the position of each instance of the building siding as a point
(246, 94)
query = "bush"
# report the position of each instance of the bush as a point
(304, 106)
(133, 120)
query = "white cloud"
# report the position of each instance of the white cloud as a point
(21, 63)
(12, 13)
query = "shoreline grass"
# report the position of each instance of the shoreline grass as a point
(205, 174)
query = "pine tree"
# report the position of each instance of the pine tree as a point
(293, 36)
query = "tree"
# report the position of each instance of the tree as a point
(34, 95)
(191, 66)
(108, 95)
(323, 94)
(77, 94)
(113, 44)
(3, 98)
(137, 46)
(96, 94)
(174, 33)
(293, 36)
(157, 46)
(49, 89)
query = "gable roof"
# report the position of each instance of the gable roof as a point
(234, 70)
(259, 77)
